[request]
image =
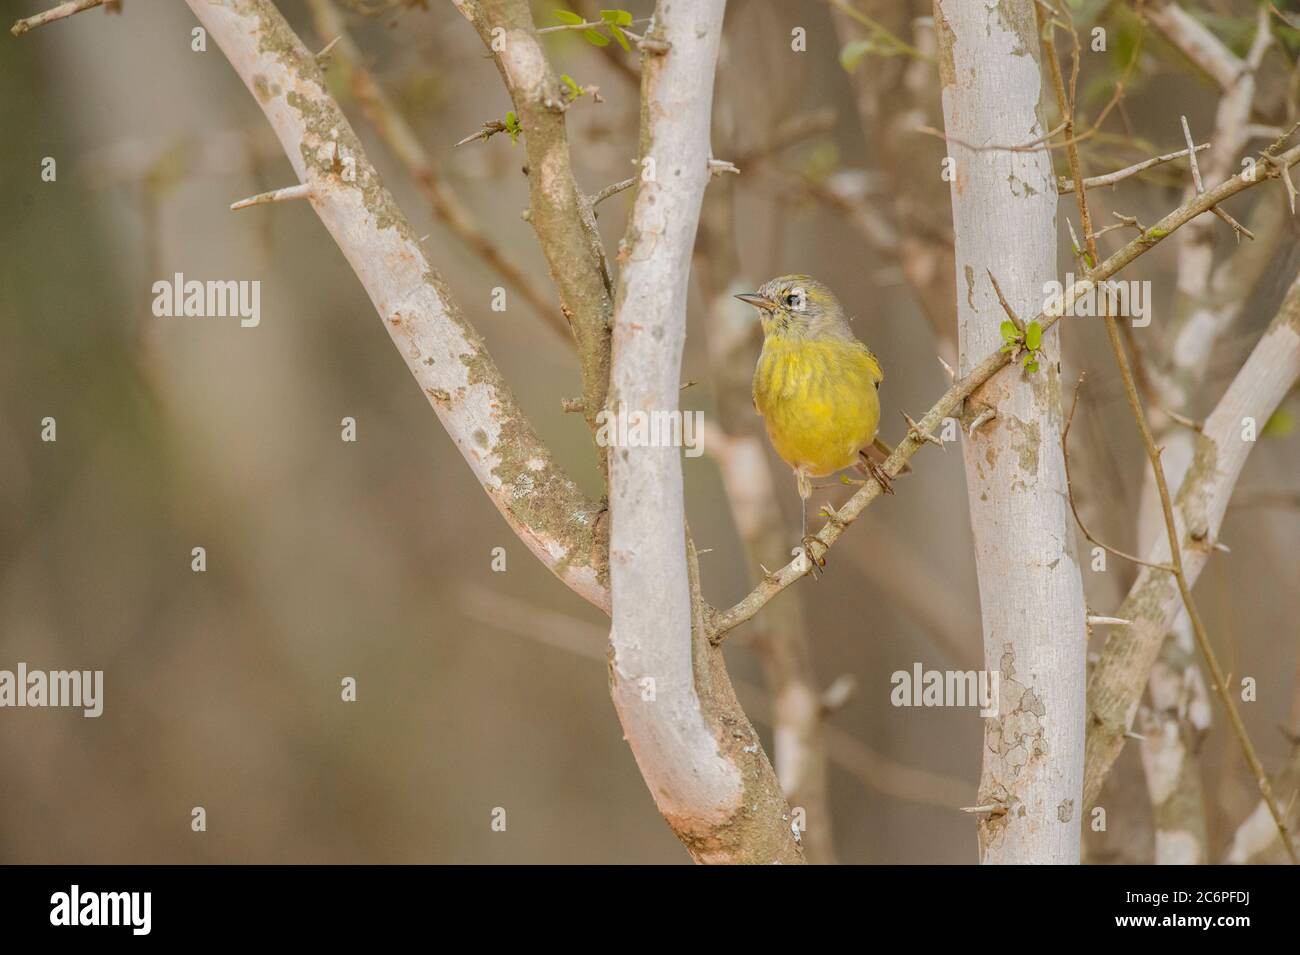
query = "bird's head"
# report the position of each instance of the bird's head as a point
(798, 305)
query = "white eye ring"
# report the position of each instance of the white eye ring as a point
(795, 299)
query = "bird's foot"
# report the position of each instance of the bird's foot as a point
(877, 472)
(815, 563)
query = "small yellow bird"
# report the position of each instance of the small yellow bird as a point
(815, 385)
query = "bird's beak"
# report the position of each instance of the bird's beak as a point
(758, 301)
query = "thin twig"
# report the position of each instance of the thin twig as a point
(1097, 620)
(1200, 186)
(1006, 306)
(485, 132)
(1065, 185)
(1125, 222)
(612, 190)
(60, 12)
(589, 25)
(300, 191)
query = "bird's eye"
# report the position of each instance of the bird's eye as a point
(793, 299)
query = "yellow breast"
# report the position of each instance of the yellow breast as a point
(819, 401)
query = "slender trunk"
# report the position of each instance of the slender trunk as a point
(700, 757)
(1031, 591)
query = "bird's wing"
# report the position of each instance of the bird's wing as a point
(872, 364)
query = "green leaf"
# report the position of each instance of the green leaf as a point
(596, 38)
(621, 37)
(513, 127)
(568, 16)
(574, 89)
(1031, 362)
(1009, 331)
(1007, 349)
(1034, 336)
(618, 18)
(852, 54)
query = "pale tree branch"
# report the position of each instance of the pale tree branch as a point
(1065, 185)
(559, 211)
(714, 785)
(443, 352)
(1203, 313)
(447, 206)
(1195, 41)
(693, 744)
(1173, 728)
(1210, 300)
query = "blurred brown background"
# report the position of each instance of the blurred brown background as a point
(373, 560)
